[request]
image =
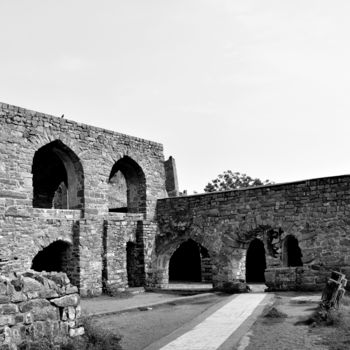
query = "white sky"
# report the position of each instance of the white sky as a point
(260, 87)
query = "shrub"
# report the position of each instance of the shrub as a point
(95, 338)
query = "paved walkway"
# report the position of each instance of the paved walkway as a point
(219, 330)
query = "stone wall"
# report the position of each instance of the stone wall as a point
(57, 184)
(38, 308)
(315, 212)
(296, 278)
(24, 132)
(127, 245)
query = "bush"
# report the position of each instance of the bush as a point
(95, 338)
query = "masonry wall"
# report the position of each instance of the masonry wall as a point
(89, 155)
(316, 212)
(38, 309)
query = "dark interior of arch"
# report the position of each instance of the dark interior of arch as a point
(127, 191)
(185, 263)
(255, 262)
(58, 178)
(58, 256)
(292, 252)
(132, 265)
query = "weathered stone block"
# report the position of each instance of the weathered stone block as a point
(33, 304)
(76, 332)
(45, 313)
(6, 309)
(67, 300)
(7, 320)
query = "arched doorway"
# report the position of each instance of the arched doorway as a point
(185, 263)
(255, 262)
(127, 187)
(58, 257)
(291, 254)
(58, 178)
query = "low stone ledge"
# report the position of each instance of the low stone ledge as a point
(300, 278)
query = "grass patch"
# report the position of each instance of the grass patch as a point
(274, 313)
(333, 326)
(95, 338)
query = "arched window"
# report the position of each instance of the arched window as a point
(256, 262)
(291, 254)
(58, 178)
(127, 187)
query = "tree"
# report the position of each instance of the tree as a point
(231, 181)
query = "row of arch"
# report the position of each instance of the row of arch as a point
(58, 181)
(191, 262)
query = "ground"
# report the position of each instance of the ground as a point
(146, 326)
(142, 328)
(285, 333)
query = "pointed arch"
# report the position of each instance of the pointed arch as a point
(185, 263)
(58, 177)
(127, 190)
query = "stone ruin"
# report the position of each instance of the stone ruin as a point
(37, 307)
(104, 208)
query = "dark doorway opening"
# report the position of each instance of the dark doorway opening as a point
(185, 263)
(255, 262)
(55, 257)
(131, 265)
(291, 252)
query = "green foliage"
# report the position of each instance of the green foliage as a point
(95, 338)
(229, 180)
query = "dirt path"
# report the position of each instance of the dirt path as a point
(270, 333)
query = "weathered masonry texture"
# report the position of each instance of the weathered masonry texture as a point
(103, 207)
(315, 213)
(55, 198)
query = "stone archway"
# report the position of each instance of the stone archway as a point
(255, 262)
(57, 256)
(58, 178)
(127, 187)
(185, 263)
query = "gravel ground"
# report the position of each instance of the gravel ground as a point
(142, 328)
(283, 333)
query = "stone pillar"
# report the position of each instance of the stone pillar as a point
(171, 183)
(89, 244)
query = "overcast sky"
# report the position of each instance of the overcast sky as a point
(260, 87)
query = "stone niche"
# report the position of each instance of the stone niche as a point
(38, 308)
